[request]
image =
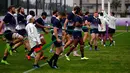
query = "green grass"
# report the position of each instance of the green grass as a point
(122, 27)
(113, 59)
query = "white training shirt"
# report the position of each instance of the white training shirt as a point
(103, 21)
(111, 21)
(33, 35)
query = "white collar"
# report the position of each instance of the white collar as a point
(10, 13)
(53, 16)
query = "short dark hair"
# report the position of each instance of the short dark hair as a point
(44, 14)
(113, 14)
(77, 8)
(101, 14)
(10, 7)
(19, 9)
(32, 13)
(62, 13)
(54, 12)
(87, 13)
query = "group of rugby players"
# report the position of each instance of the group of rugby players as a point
(67, 32)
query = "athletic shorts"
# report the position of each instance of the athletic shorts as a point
(8, 35)
(70, 30)
(110, 30)
(85, 29)
(94, 31)
(77, 34)
(37, 48)
(57, 44)
(22, 32)
(102, 32)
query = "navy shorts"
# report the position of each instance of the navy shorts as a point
(8, 35)
(85, 29)
(22, 32)
(70, 30)
(94, 31)
(77, 34)
(111, 31)
(57, 44)
(102, 32)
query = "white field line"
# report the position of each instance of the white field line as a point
(30, 70)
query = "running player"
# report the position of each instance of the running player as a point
(111, 21)
(70, 27)
(95, 21)
(57, 39)
(34, 40)
(86, 26)
(102, 31)
(77, 34)
(55, 13)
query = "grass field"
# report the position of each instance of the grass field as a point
(113, 59)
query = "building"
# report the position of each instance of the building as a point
(91, 5)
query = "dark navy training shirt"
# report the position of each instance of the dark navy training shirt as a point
(71, 18)
(57, 24)
(9, 20)
(21, 19)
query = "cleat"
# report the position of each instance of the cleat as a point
(76, 55)
(67, 57)
(28, 57)
(90, 48)
(84, 58)
(55, 67)
(51, 51)
(36, 66)
(96, 49)
(104, 45)
(4, 62)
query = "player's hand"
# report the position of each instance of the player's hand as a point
(46, 32)
(58, 40)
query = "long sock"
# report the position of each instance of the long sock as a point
(56, 59)
(53, 57)
(95, 47)
(82, 52)
(5, 57)
(111, 42)
(30, 52)
(90, 45)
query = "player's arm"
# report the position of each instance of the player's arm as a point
(65, 24)
(100, 23)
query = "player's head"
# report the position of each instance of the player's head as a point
(31, 20)
(55, 13)
(96, 14)
(77, 9)
(87, 13)
(126, 21)
(32, 13)
(11, 9)
(61, 15)
(112, 14)
(21, 10)
(44, 15)
(101, 14)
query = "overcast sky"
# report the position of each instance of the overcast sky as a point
(68, 2)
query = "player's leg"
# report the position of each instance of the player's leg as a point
(92, 40)
(5, 57)
(96, 41)
(82, 49)
(75, 43)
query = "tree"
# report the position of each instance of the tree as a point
(115, 4)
